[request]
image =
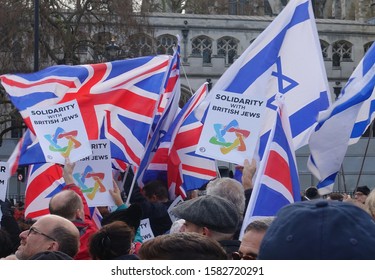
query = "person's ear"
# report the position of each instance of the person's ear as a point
(205, 231)
(54, 246)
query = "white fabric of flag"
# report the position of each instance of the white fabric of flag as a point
(343, 123)
(285, 58)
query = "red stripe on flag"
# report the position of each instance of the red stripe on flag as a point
(37, 214)
(122, 139)
(278, 169)
(13, 83)
(44, 179)
(199, 170)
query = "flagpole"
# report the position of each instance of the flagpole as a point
(125, 175)
(131, 188)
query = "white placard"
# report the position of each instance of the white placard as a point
(61, 132)
(175, 202)
(231, 129)
(4, 177)
(93, 174)
(146, 231)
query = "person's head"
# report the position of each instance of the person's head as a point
(252, 238)
(67, 204)
(182, 246)
(311, 193)
(319, 229)
(49, 233)
(370, 203)
(361, 193)
(156, 191)
(230, 189)
(6, 244)
(209, 215)
(336, 196)
(111, 241)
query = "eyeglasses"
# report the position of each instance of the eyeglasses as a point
(239, 256)
(35, 231)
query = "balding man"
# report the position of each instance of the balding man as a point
(71, 204)
(48, 233)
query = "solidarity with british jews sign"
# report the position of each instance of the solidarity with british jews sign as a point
(61, 132)
(230, 132)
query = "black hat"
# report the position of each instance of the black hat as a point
(362, 189)
(213, 212)
(131, 216)
(320, 230)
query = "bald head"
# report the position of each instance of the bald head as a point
(67, 204)
(55, 221)
(49, 233)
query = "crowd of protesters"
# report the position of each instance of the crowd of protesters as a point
(208, 225)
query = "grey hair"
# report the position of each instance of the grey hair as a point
(260, 225)
(229, 189)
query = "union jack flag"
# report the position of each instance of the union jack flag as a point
(175, 160)
(276, 183)
(171, 95)
(117, 99)
(167, 110)
(14, 158)
(44, 181)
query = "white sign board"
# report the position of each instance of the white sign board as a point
(231, 129)
(177, 201)
(4, 177)
(146, 230)
(61, 132)
(93, 174)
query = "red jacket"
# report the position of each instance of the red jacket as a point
(86, 228)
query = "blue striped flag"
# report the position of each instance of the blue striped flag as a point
(285, 58)
(343, 123)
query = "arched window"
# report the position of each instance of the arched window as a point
(341, 51)
(227, 47)
(324, 46)
(367, 46)
(140, 45)
(165, 44)
(202, 46)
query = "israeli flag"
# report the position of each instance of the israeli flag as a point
(343, 123)
(286, 58)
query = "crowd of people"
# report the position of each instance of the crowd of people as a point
(208, 225)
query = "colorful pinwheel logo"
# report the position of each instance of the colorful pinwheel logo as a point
(97, 177)
(56, 139)
(223, 131)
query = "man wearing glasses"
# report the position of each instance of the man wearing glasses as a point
(252, 239)
(48, 233)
